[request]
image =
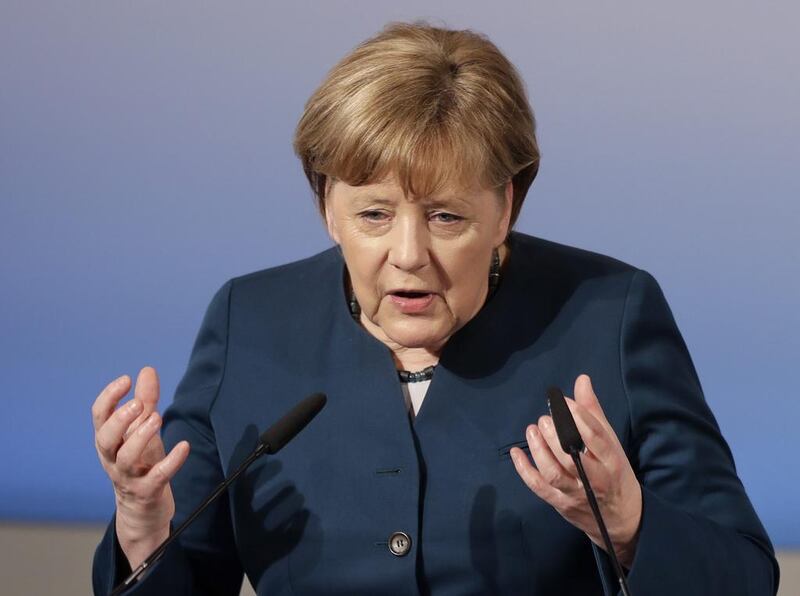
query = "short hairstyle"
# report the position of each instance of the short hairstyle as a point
(431, 106)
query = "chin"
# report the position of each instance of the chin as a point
(418, 334)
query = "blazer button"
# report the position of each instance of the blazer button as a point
(399, 544)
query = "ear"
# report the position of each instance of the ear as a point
(330, 222)
(505, 216)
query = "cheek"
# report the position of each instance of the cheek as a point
(468, 275)
(364, 267)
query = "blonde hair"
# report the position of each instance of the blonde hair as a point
(431, 106)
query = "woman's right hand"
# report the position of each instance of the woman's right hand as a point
(130, 449)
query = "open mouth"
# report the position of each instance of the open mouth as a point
(411, 301)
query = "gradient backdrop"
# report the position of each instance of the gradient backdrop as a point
(145, 158)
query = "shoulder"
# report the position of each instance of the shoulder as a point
(272, 293)
(566, 273)
(303, 271)
(297, 284)
(276, 301)
(548, 257)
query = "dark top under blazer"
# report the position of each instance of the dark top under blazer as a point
(316, 518)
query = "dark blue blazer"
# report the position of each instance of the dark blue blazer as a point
(317, 517)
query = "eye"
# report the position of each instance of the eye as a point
(446, 218)
(374, 215)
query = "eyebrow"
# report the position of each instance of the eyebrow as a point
(446, 202)
(431, 202)
(368, 197)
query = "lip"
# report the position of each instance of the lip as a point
(408, 305)
(410, 290)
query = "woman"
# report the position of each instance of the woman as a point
(434, 330)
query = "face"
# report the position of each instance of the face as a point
(419, 266)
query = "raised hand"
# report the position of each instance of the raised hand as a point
(132, 454)
(555, 479)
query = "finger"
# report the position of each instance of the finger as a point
(550, 436)
(134, 426)
(163, 471)
(147, 389)
(598, 438)
(129, 456)
(137, 423)
(548, 465)
(109, 438)
(532, 478)
(585, 395)
(109, 397)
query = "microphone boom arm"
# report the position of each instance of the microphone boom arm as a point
(270, 441)
(572, 444)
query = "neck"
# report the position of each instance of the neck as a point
(414, 359)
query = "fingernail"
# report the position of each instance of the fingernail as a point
(532, 432)
(134, 406)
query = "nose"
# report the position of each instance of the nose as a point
(410, 245)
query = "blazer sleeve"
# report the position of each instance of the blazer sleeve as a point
(699, 533)
(203, 560)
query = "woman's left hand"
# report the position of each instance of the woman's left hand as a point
(555, 479)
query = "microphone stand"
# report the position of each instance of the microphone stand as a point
(623, 583)
(572, 444)
(156, 554)
(271, 441)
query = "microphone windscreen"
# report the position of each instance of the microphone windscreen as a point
(284, 430)
(567, 431)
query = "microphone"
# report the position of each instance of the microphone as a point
(566, 429)
(284, 430)
(271, 441)
(572, 444)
